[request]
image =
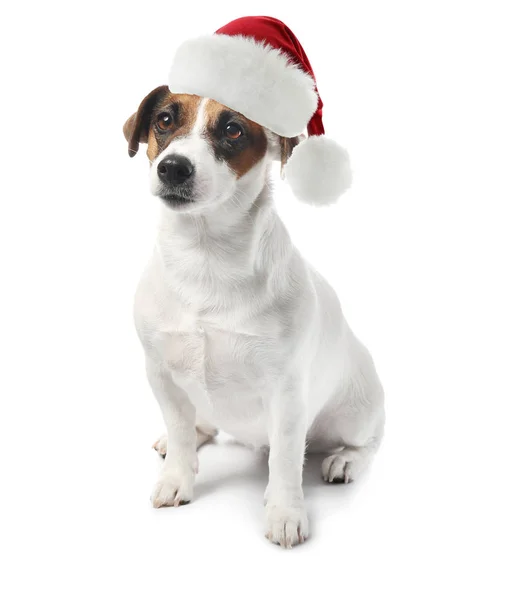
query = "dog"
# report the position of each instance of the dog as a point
(239, 332)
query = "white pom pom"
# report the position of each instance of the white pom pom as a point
(318, 171)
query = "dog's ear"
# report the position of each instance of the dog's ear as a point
(287, 145)
(137, 126)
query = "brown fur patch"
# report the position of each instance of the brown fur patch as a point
(249, 153)
(212, 112)
(136, 127)
(187, 107)
(241, 156)
(153, 150)
(287, 145)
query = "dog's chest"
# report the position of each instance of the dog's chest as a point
(222, 362)
(223, 374)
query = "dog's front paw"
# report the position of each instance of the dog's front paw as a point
(174, 488)
(286, 525)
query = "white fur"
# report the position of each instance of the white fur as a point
(241, 334)
(249, 77)
(318, 171)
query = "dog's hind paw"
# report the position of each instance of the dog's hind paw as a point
(205, 433)
(336, 469)
(161, 445)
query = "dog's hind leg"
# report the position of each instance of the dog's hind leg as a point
(348, 463)
(205, 433)
(350, 426)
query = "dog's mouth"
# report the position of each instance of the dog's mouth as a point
(175, 200)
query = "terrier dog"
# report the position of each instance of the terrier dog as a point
(239, 332)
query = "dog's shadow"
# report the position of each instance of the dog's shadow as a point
(229, 466)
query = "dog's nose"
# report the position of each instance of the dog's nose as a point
(174, 169)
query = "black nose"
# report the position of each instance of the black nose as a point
(174, 169)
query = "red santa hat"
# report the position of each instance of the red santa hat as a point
(257, 66)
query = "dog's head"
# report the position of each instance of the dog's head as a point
(201, 152)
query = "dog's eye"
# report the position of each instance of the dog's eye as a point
(233, 131)
(165, 121)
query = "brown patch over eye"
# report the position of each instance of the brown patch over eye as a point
(235, 139)
(174, 117)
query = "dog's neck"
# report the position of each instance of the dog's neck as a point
(222, 224)
(220, 260)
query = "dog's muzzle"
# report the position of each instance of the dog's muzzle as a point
(176, 174)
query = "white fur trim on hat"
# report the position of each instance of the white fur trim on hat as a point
(318, 171)
(247, 76)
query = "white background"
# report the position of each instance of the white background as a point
(424, 252)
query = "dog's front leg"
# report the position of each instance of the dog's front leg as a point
(286, 517)
(175, 484)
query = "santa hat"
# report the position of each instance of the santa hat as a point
(257, 66)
